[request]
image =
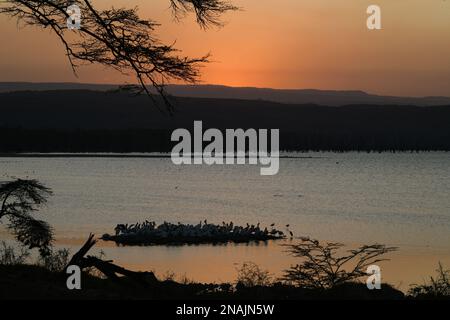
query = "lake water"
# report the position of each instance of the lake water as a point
(399, 199)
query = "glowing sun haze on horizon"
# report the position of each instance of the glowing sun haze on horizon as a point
(284, 44)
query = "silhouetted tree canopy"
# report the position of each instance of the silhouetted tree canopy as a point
(323, 266)
(18, 200)
(121, 39)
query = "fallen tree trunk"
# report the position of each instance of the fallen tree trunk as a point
(77, 258)
(109, 269)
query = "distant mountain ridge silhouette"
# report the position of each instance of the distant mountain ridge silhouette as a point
(287, 96)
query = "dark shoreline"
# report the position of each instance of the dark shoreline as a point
(113, 155)
(168, 156)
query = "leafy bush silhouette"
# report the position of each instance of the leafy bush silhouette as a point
(10, 257)
(55, 261)
(251, 275)
(322, 267)
(438, 287)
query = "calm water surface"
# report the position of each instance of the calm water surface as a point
(398, 199)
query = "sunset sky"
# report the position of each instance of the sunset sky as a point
(319, 44)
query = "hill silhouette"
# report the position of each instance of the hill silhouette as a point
(291, 96)
(90, 121)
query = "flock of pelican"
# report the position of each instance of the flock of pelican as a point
(149, 232)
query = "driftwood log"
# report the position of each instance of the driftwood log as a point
(107, 267)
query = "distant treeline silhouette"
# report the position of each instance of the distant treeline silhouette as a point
(125, 141)
(87, 121)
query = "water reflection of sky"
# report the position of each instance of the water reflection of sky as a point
(399, 199)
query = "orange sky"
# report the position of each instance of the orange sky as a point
(283, 44)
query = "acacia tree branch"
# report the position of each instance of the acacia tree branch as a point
(207, 12)
(19, 199)
(120, 39)
(323, 268)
